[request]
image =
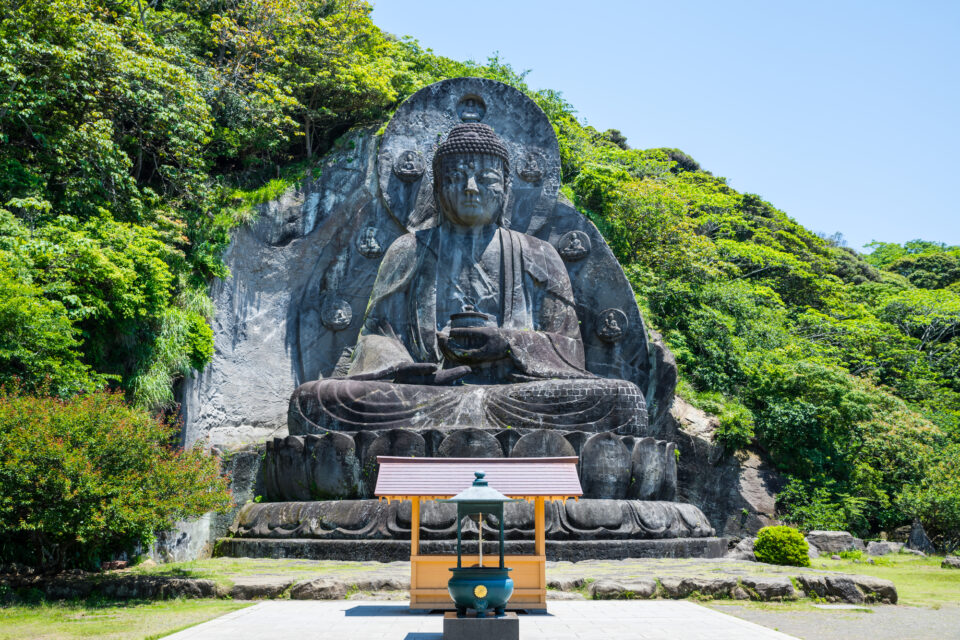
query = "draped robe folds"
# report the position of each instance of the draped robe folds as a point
(542, 384)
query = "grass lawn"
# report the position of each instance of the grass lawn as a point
(224, 570)
(919, 581)
(110, 620)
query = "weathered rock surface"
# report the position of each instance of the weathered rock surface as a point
(737, 492)
(627, 590)
(319, 589)
(120, 587)
(919, 540)
(832, 541)
(193, 539)
(743, 550)
(684, 587)
(875, 548)
(771, 588)
(950, 562)
(470, 443)
(852, 589)
(565, 584)
(259, 587)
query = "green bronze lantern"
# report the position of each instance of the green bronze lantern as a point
(480, 588)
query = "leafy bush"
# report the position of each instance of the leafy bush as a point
(808, 506)
(936, 499)
(782, 545)
(84, 478)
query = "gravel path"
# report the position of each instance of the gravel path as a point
(879, 622)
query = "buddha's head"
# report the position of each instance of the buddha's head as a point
(471, 175)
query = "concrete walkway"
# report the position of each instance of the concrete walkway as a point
(603, 620)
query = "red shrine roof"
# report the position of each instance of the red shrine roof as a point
(434, 478)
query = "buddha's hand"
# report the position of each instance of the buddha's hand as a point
(415, 373)
(474, 344)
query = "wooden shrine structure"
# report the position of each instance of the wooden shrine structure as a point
(533, 479)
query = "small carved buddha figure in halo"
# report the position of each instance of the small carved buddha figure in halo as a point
(470, 324)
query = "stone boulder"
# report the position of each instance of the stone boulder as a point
(565, 584)
(919, 540)
(319, 589)
(852, 589)
(950, 562)
(832, 541)
(685, 587)
(771, 587)
(634, 589)
(743, 550)
(883, 548)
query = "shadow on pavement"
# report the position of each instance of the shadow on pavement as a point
(373, 610)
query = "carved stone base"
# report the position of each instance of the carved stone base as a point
(340, 465)
(394, 550)
(380, 520)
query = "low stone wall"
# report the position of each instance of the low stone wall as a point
(393, 550)
(854, 589)
(645, 579)
(120, 587)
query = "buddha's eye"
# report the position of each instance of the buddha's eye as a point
(454, 176)
(489, 177)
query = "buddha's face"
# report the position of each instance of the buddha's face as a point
(471, 190)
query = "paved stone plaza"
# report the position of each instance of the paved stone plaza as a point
(603, 620)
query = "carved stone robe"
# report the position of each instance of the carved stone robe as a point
(542, 384)
(536, 307)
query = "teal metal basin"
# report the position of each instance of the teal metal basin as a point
(482, 589)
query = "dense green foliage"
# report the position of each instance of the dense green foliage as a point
(843, 368)
(135, 135)
(782, 545)
(83, 478)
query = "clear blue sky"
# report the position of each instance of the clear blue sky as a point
(844, 114)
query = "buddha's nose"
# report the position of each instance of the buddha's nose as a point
(471, 186)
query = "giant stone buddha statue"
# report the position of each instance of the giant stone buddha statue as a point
(497, 323)
(470, 323)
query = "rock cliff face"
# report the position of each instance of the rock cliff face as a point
(737, 492)
(273, 292)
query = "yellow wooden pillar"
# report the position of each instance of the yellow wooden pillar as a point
(540, 545)
(539, 527)
(414, 546)
(415, 526)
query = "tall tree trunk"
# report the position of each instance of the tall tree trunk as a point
(308, 133)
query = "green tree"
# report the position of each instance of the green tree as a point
(85, 478)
